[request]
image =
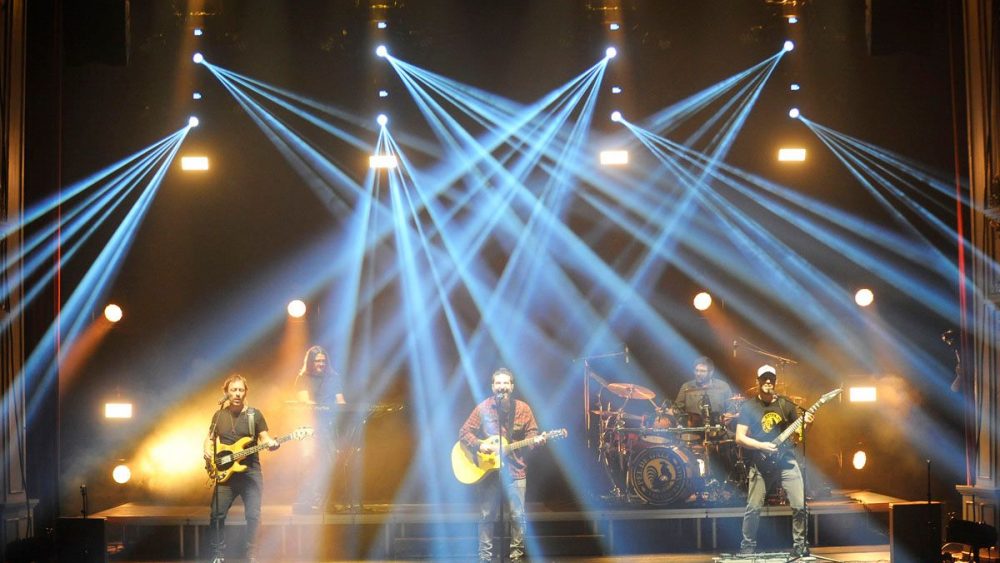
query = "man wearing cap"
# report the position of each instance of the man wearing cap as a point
(761, 420)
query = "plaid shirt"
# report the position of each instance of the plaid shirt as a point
(482, 423)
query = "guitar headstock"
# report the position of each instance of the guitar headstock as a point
(302, 432)
(560, 433)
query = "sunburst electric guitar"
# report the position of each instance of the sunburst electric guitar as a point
(228, 456)
(471, 467)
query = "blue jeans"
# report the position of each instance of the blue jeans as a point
(790, 478)
(248, 485)
(489, 504)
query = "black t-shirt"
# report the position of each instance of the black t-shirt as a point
(765, 422)
(230, 428)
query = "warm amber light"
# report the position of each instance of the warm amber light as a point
(194, 163)
(791, 154)
(614, 158)
(296, 309)
(864, 297)
(121, 474)
(117, 410)
(113, 313)
(859, 460)
(382, 161)
(702, 301)
(861, 395)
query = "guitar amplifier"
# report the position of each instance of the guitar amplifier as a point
(82, 540)
(915, 532)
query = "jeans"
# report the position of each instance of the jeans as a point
(790, 478)
(248, 485)
(489, 497)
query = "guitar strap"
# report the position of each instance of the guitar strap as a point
(253, 431)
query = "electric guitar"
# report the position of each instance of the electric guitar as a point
(228, 456)
(769, 461)
(471, 467)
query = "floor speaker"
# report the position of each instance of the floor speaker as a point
(915, 532)
(82, 540)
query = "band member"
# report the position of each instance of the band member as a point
(513, 420)
(760, 421)
(234, 421)
(703, 398)
(318, 387)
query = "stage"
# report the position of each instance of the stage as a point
(380, 531)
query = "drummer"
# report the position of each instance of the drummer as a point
(703, 400)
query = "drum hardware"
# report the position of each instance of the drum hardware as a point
(630, 391)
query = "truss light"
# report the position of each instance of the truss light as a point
(113, 313)
(788, 46)
(702, 301)
(193, 121)
(198, 58)
(196, 96)
(198, 32)
(864, 297)
(382, 161)
(862, 394)
(794, 113)
(793, 19)
(794, 87)
(296, 309)
(382, 119)
(614, 26)
(194, 163)
(610, 53)
(859, 460)
(616, 89)
(382, 51)
(614, 158)
(382, 24)
(383, 93)
(791, 154)
(616, 116)
(121, 474)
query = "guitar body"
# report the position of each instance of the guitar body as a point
(768, 462)
(472, 467)
(225, 463)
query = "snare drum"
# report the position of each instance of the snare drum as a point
(661, 420)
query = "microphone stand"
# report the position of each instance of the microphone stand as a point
(217, 522)
(504, 525)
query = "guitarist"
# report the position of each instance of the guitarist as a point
(230, 423)
(760, 421)
(501, 415)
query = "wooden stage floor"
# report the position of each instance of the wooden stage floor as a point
(849, 526)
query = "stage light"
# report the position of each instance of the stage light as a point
(121, 474)
(193, 121)
(616, 89)
(788, 46)
(610, 53)
(196, 96)
(862, 394)
(198, 58)
(616, 116)
(382, 119)
(859, 460)
(383, 93)
(614, 158)
(702, 301)
(296, 309)
(118, 410)
(198, 32)
(794, 87)
(382, 51)
(382, 24)
(113, 313)
(793, 113)
(791, 154)
(864, 297)
(382, 161)
(194, 163)
(793, 19)
(614, 26)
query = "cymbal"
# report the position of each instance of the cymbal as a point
(630, 391)
(737, 397)
(625, 415)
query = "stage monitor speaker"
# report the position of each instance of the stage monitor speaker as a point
(82, 540)
(915, 532)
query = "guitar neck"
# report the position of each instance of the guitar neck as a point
(254, 449)
(801, 420)
(528, 441)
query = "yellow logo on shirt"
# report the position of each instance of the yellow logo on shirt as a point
(770, 421)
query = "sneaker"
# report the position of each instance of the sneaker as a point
(799, 552)
(746, 551)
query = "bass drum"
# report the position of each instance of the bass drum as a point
(662, 475)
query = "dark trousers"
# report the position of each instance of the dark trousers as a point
(248, 485)
(790, 478)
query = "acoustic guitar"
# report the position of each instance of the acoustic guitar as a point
(471, 467)
(228, 456)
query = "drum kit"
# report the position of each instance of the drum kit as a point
(664, 457)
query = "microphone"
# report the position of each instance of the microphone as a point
(626, 353)
(223, 400)
(948, 337)
(736, 345)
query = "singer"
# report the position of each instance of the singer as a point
(234, 421)
(501, 415)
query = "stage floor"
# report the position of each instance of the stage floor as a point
(408, 532)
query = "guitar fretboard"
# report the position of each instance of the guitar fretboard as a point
(254, 449)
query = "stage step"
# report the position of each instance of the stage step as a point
(769, 557)
(467, 546)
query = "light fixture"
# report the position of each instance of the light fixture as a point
(382, 161)
(383, 93)
(614, 158)
(616, 89)
(793, 19)
(794, 113)
(382, 24)
(859, 460)
(788, 46)
(794, 87)
(118, 409)
(791, 154)
(193, 121)
(702, 301)
(113, 313)
(196, 96)
(382, 119)
(121, 474)
(610, 53)
(864, 297)
(194, 163)
(614, 26)
(296, 308)
(198, 58)
(616, 116)
(198, 32)
(382, 51)
(862, 394)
